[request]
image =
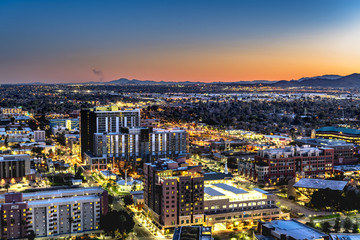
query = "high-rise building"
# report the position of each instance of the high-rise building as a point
(109, 135)
(52, 213)
(174, 193)
(104, 120)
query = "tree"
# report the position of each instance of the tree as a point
(6, 142)
(134, 186)
(311, 223)
(31, 235)
(347, 224)
(117, 221)
(78, 173)
(337, 225)
(355, 228)
(128, 200)
(7, 186)
(325, 227)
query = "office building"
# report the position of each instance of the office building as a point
(104, 120)
(339, 133)
(343, 151)
(39, 136)
(284, 163)
(173, 193)
(52, 213)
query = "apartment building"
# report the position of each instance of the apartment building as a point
(105, 120)
(173, 193)
(344, 152)
(111, 136)
(285, 163)
(52, 213)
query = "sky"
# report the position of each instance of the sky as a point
(71, 41)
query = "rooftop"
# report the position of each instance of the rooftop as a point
(321, 184)
(347, 168)
(63, 199)
(294, 229)
(217, 176)
(230, 188)
(339, 130)
(212, 192)
(345, 236)
(324, 142)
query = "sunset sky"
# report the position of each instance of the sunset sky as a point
(186, 40)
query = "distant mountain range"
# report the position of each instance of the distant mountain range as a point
(352, 80)
(122, 81)
(349, 81)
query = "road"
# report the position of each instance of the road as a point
(296, 208)
(139, 233)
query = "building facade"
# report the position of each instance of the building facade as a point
(52, 213)
(39, 136)
(339, 133)
(105, 120)
(344, 152)
(227, 205)
(112, 136)
(285, 163)
(68, 123)
(15, 167)
(173, 193)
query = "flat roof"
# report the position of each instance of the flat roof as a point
(324, 142)
(345, 236)
(347, 168)
(63, 199)
(321, 184)
(229, 188)
(262, 191)
(216, 176)
(295, 229)
(73, 191)
(212, 192)
(339, 130)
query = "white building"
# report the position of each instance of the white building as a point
(39, 136)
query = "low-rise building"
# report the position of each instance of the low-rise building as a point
(340, 133)
(285, 163)
(288, 229)
(227, 205)
(308, 185)
(344, 152)
(16, 167)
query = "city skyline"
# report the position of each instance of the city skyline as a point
(209, 41)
